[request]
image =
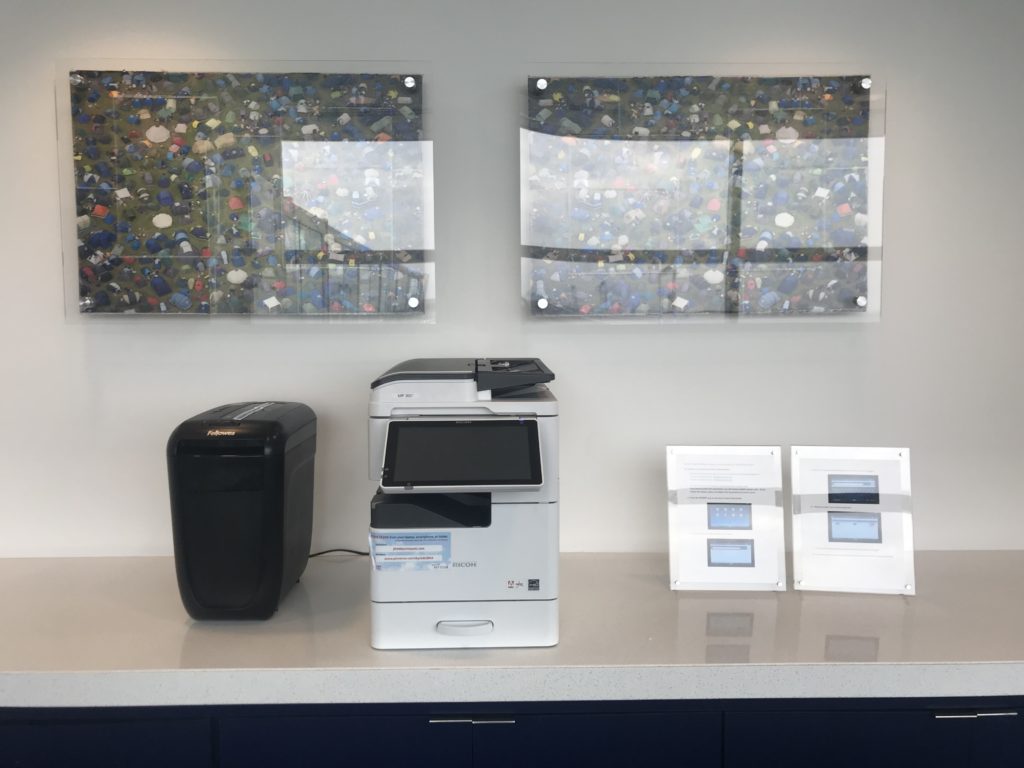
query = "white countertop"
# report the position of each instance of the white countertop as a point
(113, 632)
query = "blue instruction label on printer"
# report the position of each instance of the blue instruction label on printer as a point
(410, 551)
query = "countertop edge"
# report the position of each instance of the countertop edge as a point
(145, 688)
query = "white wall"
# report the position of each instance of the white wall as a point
(88, 404)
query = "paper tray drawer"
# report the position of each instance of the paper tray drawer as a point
(513, 623)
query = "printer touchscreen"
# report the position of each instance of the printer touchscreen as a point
(462, 453)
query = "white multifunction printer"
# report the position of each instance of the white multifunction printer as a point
(464, 526)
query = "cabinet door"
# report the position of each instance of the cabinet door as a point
(997, 738)
(845, 739)
(613, 739)
(106, 744)
(342, 741)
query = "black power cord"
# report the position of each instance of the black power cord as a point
(338, 549)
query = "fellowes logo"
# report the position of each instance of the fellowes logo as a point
(221, 432)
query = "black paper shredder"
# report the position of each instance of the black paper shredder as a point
(241, 482)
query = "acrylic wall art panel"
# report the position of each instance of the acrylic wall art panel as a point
(674, 196)
(249, 193)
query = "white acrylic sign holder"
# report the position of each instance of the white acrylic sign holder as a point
(725, 519)
(852, 526)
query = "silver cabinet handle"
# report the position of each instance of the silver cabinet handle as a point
(973, 715)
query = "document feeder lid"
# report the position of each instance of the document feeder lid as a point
(500, 375)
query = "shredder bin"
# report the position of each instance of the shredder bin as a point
(241, 488)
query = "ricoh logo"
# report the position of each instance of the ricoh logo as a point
(464, 564)
(220, 432)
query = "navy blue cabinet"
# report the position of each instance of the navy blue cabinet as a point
(844, 739)
(838, 733)
(100, 742)
(882, 734)
(485, 738)
(381, 740)
(598, 739)
(997, 737)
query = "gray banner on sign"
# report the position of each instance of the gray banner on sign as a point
(805, 503)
